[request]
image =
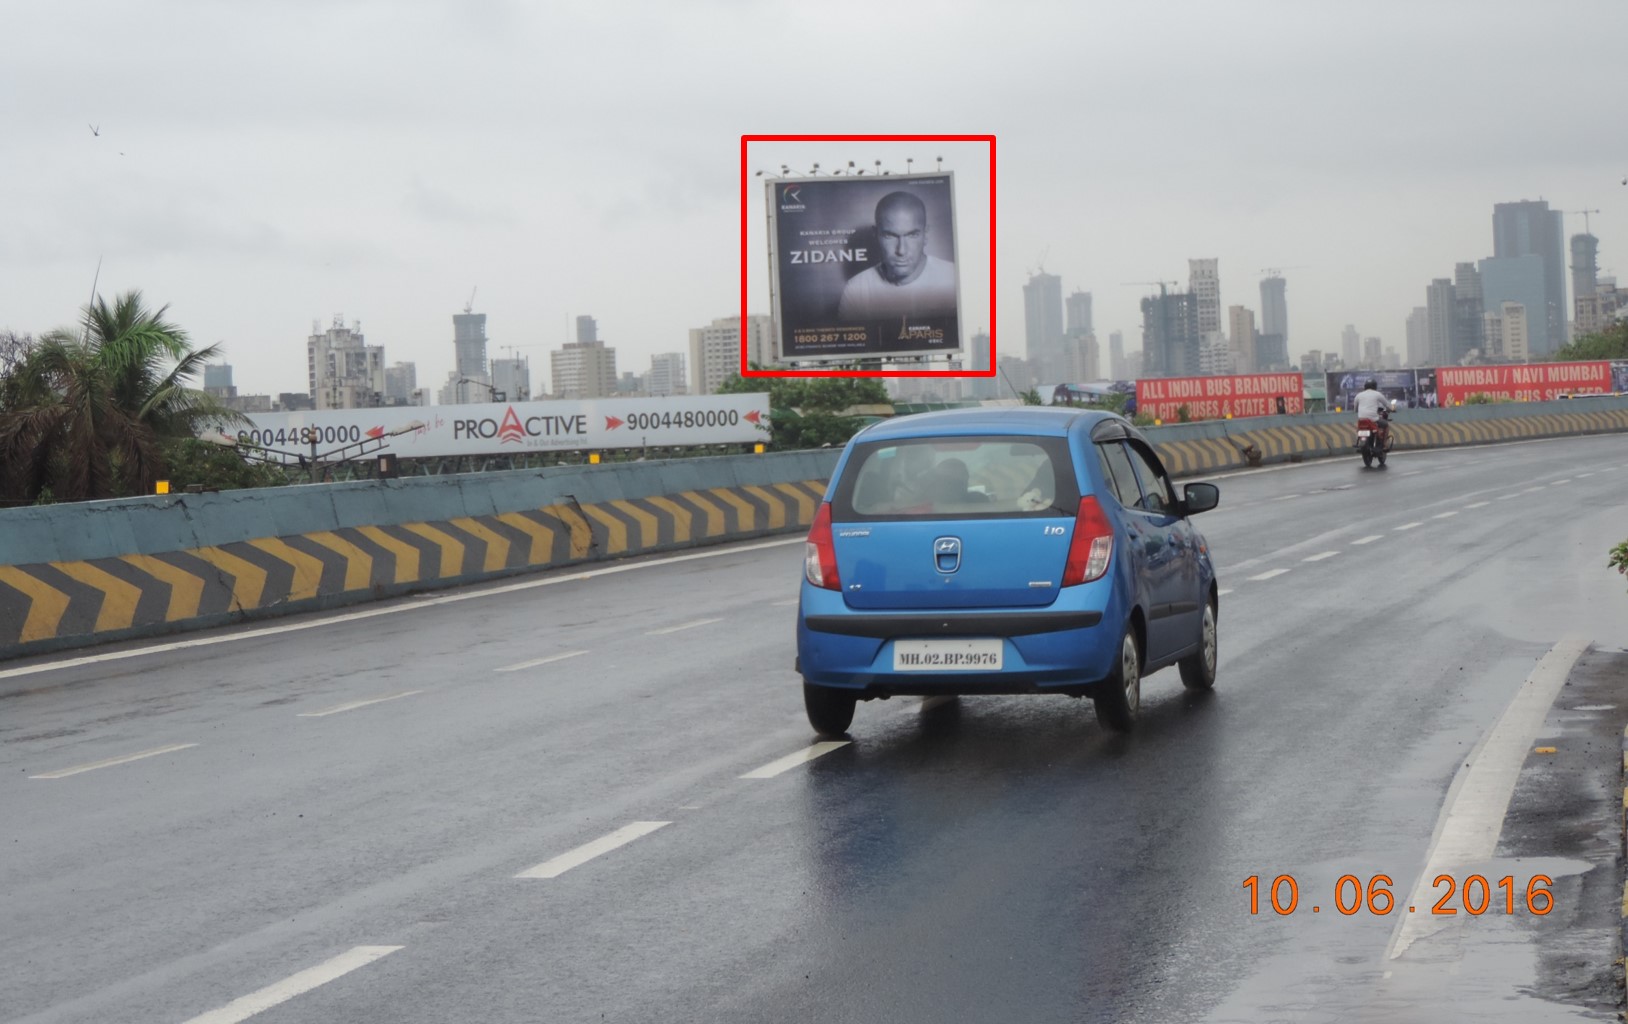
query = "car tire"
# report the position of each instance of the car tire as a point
(1119, 697)
(830, 710)
(1198, 669)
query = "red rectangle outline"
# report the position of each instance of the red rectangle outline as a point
(745, 371)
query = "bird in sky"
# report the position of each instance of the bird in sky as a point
(96, 129)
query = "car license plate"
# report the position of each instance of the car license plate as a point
(947, 655)
(1364, 433)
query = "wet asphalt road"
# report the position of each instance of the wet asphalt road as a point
(984, 859)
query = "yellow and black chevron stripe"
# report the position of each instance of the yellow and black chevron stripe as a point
(45, 603)
(1310, 440)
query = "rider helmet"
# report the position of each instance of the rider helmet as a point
(1372, 385)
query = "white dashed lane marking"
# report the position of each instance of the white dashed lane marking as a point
(1369, 539)
(110, 762)
(353, 705)
(1557, 483)
(551, 659)
(1478, 504)
(682, 626)
(1444, 515)
(1222, 593)
(1319, 558)
(1269, 574)
(557, 866)
(791, 761)
(1406, 526)
(297, 984)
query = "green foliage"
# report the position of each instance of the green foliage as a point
(1611, 343)
(1031, 396)
(195, 462)
(804, 409)
(84, 411)
(1619, 558)
(1184, 414)
(1142, 419)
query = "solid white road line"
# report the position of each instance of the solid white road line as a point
(551, 659)
(296, 984)
(1319, 558)
(110, 762)
(422, 602)
(1268, 574)
(682, 626)
(1478, 504)
(791, 761)
(1444, 515)
(1406, 526)
(588, 851)
(353, 705)
(1369, 539)
(1478, 799)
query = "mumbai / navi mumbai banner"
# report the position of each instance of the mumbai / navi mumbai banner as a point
(1523, 382)
(864, 266)
(1213, 398)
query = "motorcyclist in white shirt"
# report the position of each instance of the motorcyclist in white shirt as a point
(1371, 404)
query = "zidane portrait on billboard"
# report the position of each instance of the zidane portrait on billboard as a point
(865, 267)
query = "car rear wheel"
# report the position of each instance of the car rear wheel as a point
(1198, 669)
(1119, 697)
(830, 711)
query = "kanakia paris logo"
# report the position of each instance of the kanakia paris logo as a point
(791, 199)
(510, 431)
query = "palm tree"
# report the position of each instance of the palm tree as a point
(86, 411)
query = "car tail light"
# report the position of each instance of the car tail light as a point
(1092, 546)
(819, 553)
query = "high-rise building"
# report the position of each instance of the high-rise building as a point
(1372, 353)
(1350, 346)
(715, 350)
(469, 344)
(1469, 313)
(1271, 352)
(1275, 315)
(1204, 281)
(1117, 369)
(1170, 335)
(1517, 279)
(587, 330)
(1530, 228)
(667, 375)
(218, 380)
(400, 381)
(1016, 375)
(474, 389)
(1418, 337)
(1214, 354)
(1080, 358)
(1439, 310)
(982, 388)
(511, 378)
(1241, 326)
(1043, 321)
(1585, 289)
(1133, 365)
(1311, 364)
(1078, 307)
(344, 371)
(582, 369)
(1509, 333)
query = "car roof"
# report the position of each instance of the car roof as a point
(1044, 421)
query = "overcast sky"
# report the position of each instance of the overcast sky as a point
(261, 165)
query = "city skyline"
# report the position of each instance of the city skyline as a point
(366, 188)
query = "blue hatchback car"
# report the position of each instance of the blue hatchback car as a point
(1016, 550)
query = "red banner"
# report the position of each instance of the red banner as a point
(1214, 398)
(1517, 382)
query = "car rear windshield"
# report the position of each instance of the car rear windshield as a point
(962, 477)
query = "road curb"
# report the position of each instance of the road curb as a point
(1623, 936)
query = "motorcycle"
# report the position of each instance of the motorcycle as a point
(1374, 436)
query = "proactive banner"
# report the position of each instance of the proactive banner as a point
(509, 427)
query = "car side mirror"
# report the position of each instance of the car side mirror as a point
(1199, 497)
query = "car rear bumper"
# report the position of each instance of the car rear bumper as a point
(1056, 650)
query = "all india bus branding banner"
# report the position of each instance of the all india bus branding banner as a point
(1212, 398)
(517, 427)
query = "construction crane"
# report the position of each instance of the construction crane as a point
(1585, 214)
(1160, 284)
(469, 307)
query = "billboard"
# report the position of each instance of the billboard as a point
(864, 266)
(1528, 382)
(1411, 389)
(1213, 398)
(507, 428)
